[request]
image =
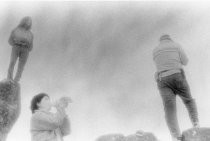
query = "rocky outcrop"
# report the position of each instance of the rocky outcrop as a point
(9, 106)
(138, 136)
(141, 136)
(111, 137)
(198, 134)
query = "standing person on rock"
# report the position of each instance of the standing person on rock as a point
(169, 59)
(46, 125)
(21, 40)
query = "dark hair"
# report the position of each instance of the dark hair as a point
(37, 99)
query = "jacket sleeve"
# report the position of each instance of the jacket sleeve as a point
(45, 121)
(31, 43)
(66, 126)
(11, 38)
(183, 56)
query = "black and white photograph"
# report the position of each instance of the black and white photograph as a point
(104, 71)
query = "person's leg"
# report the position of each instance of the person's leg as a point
(22, 61)
(169, 102)
(13, 59)
(183, 90)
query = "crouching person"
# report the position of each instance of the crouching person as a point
(48, 126)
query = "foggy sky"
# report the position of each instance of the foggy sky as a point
(99, 53)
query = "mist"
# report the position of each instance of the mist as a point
(100, 54)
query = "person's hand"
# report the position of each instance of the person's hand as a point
(21, 43)
(15, 41)
(64, 101)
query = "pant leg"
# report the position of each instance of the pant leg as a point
(169, 103)
(22, 61)
(13, 59)
(183, 90)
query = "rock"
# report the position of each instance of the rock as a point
(199, 134)
(141, 136)
(111, 137)
(9, 106)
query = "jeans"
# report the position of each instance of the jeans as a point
(169, 87)
(22, 53)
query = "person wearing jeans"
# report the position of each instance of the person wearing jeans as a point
(169, 58)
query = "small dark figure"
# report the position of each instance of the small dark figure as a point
(21, 40)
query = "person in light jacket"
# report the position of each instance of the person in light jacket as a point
(45, 125)
(169, 58)
(21, 40)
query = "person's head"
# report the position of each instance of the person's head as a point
(165, 37)
(26, 23)
(41, 101)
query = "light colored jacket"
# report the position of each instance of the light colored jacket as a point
(169, 56)
(47, 126)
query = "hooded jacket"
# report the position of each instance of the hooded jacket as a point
(21, 36)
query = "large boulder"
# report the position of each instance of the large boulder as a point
(9, 106)
(141, 136)
(198, 134)
(111, 137)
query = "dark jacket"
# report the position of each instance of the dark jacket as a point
(21, 36)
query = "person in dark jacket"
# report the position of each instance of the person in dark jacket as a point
(21, 40)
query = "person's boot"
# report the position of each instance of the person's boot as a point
(196, 125)
(177, 138)
(9, 76)
(17, 79)
(18, 76)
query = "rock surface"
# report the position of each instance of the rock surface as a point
(141, 136)
(9, 106)
(199, 134)
(111, 137)
(138, 136)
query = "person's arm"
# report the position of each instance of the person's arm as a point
(183, 56)
(11, 39)
(66, 126)
(48, 121)
(31, 42)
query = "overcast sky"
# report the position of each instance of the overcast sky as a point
(100, 54)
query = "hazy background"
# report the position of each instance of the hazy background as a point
(99, 53)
